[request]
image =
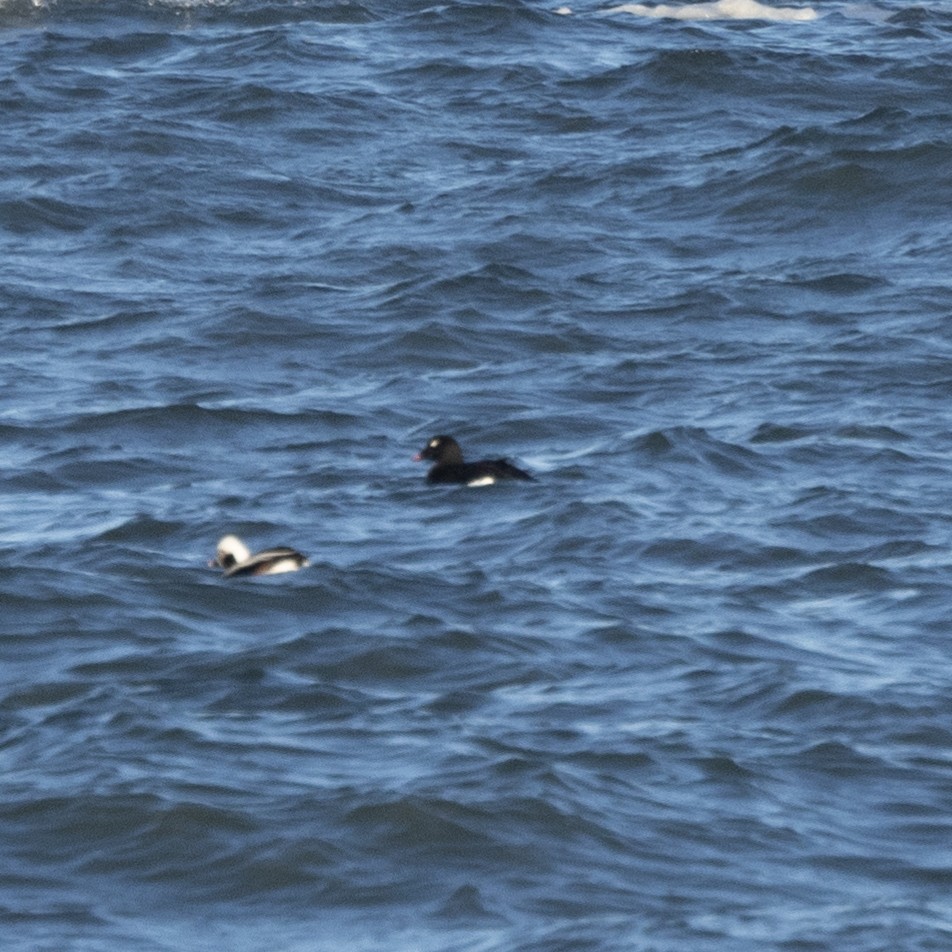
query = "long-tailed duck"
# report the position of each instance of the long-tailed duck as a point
(235, 558)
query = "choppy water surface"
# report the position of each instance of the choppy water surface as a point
(690, 690)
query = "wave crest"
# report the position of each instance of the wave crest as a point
(719, 10)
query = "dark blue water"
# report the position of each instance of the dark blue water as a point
(691, 690)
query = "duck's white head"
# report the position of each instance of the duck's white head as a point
(231, 550)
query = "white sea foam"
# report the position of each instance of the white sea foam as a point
(718, 10)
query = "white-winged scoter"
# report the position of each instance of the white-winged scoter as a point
(449, 466)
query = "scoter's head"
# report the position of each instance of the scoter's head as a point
(442, 450)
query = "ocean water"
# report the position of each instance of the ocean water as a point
(690, 690)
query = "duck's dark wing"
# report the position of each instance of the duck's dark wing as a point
(265, 562)
(505, 470)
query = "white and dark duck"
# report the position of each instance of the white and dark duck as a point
(449, 467)
(235, 558)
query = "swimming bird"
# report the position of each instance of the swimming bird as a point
(235, 558)
(450, 468)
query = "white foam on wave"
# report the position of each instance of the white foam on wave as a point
(718, 10)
